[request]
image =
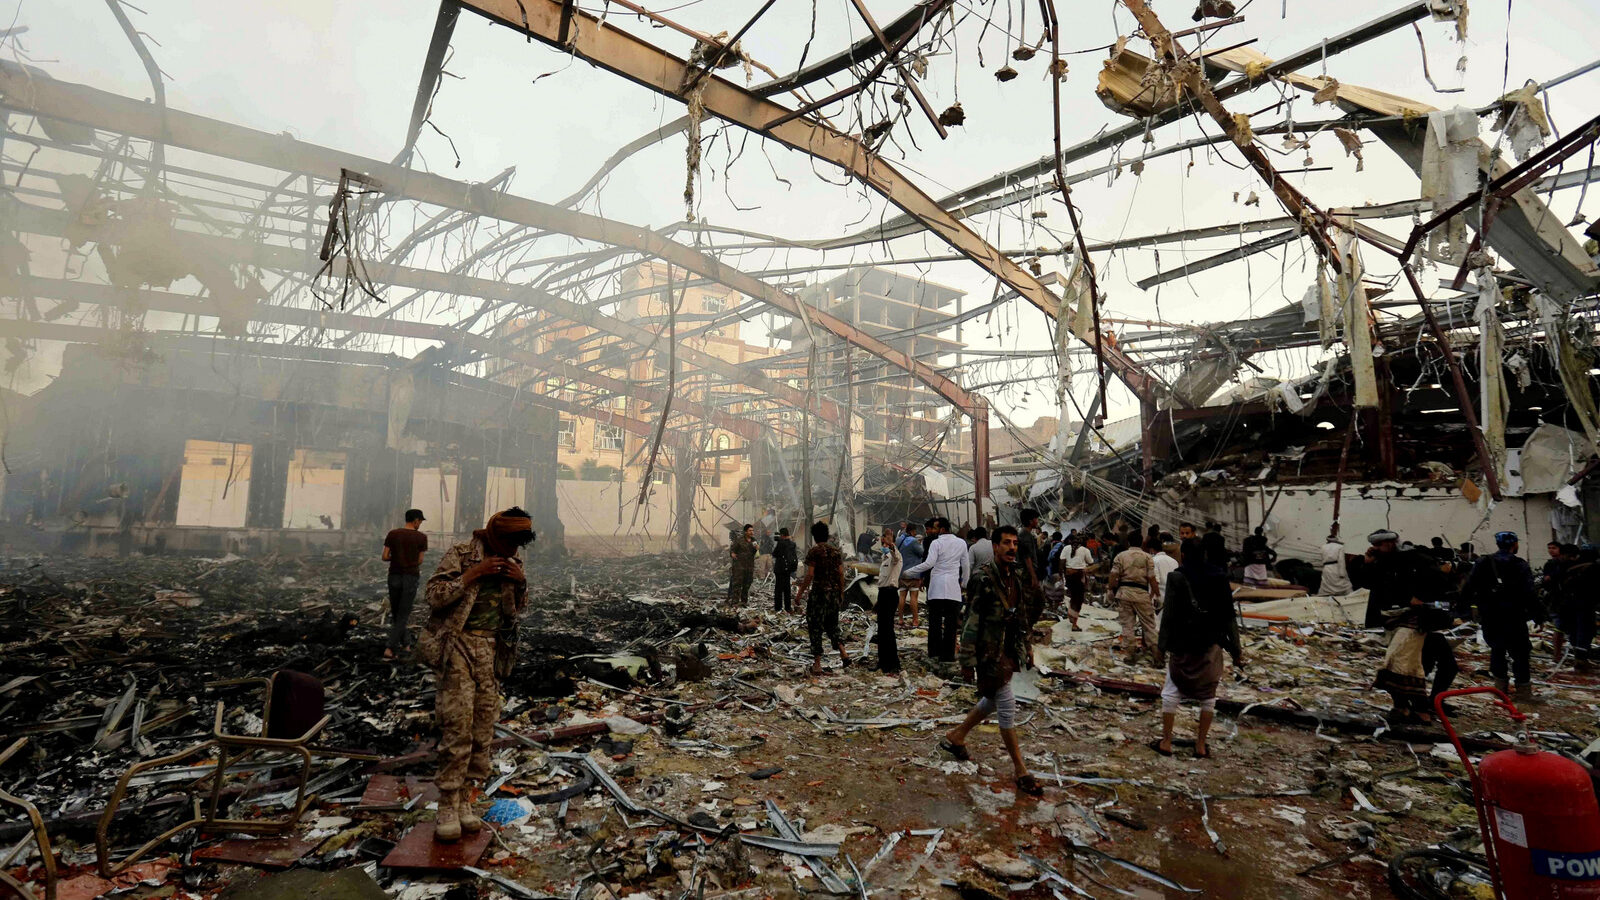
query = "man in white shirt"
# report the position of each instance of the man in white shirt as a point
(1166, 563)
(1076, 563)
(1335, 578)
(947, 566)
(981, 551)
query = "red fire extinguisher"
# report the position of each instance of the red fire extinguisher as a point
(1537, 812)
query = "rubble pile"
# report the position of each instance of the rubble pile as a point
(656, 743)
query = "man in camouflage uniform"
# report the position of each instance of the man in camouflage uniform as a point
(742, 550)
(825, 573)
(476, 596)
(1001, 612)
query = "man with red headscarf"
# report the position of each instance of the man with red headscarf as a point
(476, 596)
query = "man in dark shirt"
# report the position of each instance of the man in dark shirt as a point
(403, 548)
(1550, 573)
(825, 573)
(742, 572)
(1580, 588)
(1440, 552)
(785, 559)
(1501, 587)
(866, 544)
(1405, 589)
(1028, 546)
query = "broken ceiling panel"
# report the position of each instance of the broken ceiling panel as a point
(1132, 85)
(1530, 237)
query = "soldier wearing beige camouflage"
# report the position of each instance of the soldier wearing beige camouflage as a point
(476, 596)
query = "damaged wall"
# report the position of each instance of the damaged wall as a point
(1298, 516)
(206, 451)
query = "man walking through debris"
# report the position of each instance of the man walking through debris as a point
(1256, 557)
(1197, 625)
(476, 595)
(825, 572)
(403, 548)
(785, 559)
(1501, 587)
(1133, 584)
(1405, 589)
(994, 646)
(764, 548)
(742, 550)
(1076, 563)
(1028, 544)
(947, 570)
(1335, 579)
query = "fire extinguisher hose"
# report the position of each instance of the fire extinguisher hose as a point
(1455, 861)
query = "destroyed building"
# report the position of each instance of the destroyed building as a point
(270, 278)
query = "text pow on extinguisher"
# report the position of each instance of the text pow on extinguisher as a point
(1573, 866)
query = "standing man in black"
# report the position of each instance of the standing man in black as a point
(403, 548)
(1028, 545)
(1501, 587)
(742, 572)
(785, 559)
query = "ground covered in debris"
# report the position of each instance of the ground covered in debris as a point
(657, 742)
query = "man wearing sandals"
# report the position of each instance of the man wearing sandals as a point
(994, 646)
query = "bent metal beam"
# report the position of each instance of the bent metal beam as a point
(79, 103)
(645, 64)
(166, 301)
(38, 220)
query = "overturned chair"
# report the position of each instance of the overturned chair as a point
(292, 717)
(38, 835)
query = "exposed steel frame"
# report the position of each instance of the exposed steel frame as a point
(79, 103)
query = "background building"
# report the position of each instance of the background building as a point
(601, 465)
(912, 315)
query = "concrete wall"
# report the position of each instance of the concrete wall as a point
(115, 459)
(1298, 516)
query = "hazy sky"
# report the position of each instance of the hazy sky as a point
(342, 74)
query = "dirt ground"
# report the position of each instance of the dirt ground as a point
(1282, 810)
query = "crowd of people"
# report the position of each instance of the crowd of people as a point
(1176, 606)
(984, 590)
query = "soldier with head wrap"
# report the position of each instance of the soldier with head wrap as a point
(476, 596)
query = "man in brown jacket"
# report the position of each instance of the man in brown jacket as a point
(476, 596)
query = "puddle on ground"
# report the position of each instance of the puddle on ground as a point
(946, 813)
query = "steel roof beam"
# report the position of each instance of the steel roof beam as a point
(649, 66)
(166, 301)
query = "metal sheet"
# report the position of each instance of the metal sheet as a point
(419, 851)
(267, 853)
(393, 792)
